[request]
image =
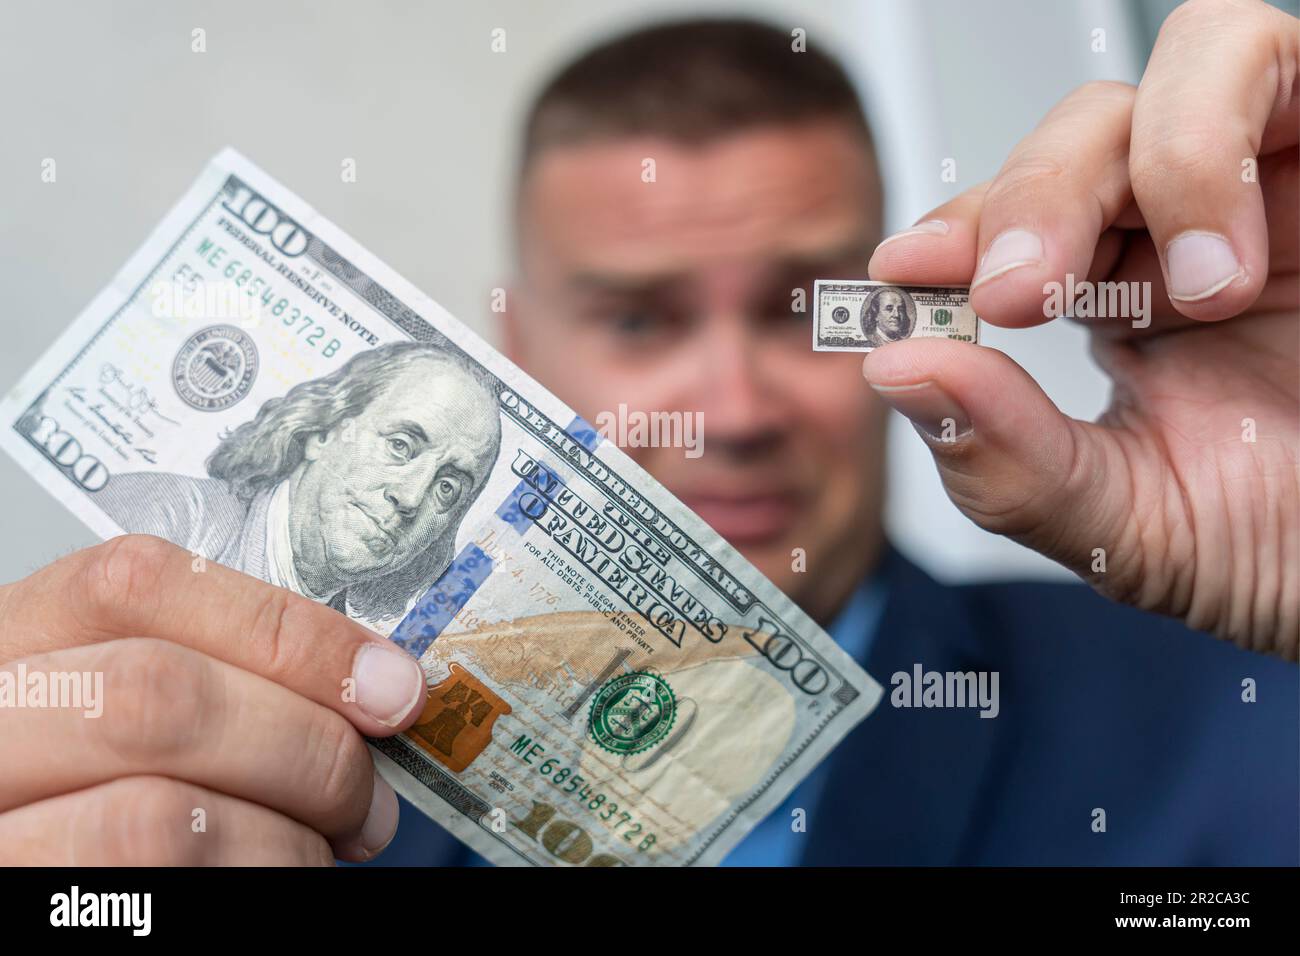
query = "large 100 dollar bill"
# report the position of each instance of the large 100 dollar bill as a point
(858, 316)
(610, 682)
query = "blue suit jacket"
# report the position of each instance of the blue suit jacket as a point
(1101, 707)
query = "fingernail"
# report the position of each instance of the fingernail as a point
(932, 411)
(381, 822)
(930, 227)
(1200, 264)
(1010, 250)
(389, 682)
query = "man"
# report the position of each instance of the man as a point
(1122, 737)
(348, 490)
(888, 316)
(677, 294)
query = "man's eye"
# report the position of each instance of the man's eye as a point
(782, 316)
(399, 446)
(447, 492)
(788, 312)
(634, 322)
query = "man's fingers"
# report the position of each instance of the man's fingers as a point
(1037, 221)
(1139, 274)
(938, 250)
(1196, 156)
(1007, 457)
(140, 586)
(1060, 189)
(167, 710)
(155, 821)
(1218, 92)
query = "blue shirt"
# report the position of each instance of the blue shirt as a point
(775, 842)
(959, 790)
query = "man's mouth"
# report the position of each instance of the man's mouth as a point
(746, 519)
(389, 536)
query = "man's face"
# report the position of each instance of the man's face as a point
(677, 295)
(891, 318)
(378, 489)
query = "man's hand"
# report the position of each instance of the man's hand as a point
(221, 694)
(1188, 487)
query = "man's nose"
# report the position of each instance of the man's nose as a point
(410, 485)
(740, 406)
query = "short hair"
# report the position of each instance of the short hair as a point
(690, 81)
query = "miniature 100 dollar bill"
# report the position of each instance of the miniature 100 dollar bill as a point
(858, 316)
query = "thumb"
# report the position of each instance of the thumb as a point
(1008, 458)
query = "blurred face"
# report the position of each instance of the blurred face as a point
(891, 318)
(380, 488)
(679, 295)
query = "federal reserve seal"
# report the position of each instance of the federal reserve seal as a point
(840, 315)
(632, 713)
(215, 367)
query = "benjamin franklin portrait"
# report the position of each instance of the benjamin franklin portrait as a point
(888, 315)
(349, 489)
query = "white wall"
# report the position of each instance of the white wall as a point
(413, 93)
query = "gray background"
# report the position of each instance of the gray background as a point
(413, 93)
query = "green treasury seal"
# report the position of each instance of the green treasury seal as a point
(632, 712)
